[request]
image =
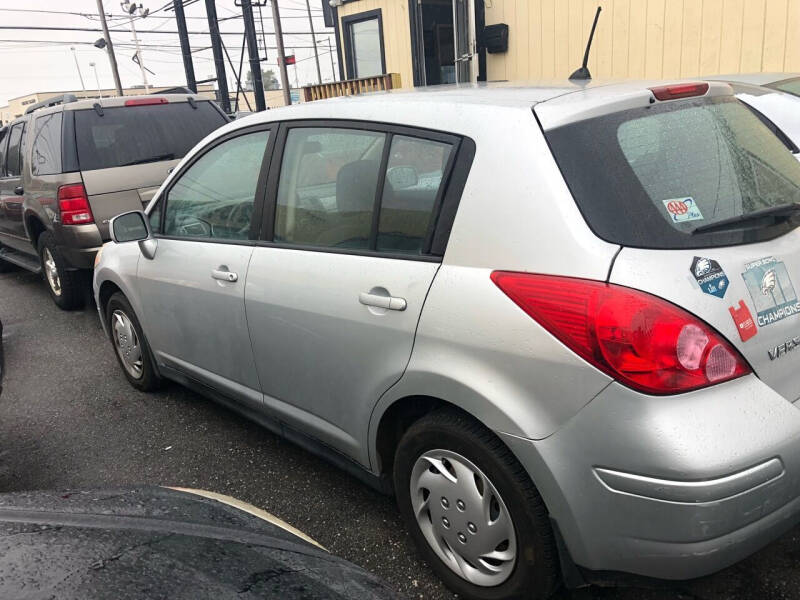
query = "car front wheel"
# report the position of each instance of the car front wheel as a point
(472, 510)
(130, 345)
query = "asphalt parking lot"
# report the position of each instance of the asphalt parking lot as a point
(69, 419)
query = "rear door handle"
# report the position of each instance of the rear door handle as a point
(390, 302)
(19, 191)
(224, 275)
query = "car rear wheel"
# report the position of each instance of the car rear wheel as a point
(130, 345)
(65, 286)
(474, 513)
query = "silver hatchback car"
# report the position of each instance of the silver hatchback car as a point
(557, 322)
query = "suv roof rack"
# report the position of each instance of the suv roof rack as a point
(63, 99)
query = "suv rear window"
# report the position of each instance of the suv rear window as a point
(648, 177)
(131, 135)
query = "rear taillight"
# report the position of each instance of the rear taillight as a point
(74, 205)
(643, 341)
(682, 90)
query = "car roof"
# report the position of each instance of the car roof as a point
(433, 107)
(755, 78)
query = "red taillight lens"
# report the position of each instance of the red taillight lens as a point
(674, 92)
(145, 101)
(643, 341)
(74, 205)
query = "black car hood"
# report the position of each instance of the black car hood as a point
(153, 543)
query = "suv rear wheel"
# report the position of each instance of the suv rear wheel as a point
(65, 286)
(130, 345)
(474, 513)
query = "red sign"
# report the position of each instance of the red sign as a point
(677, 208)
(744, 321)
(289, 60)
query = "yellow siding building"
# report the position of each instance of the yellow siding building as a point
(546, 38)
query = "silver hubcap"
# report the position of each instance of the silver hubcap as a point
(51, 272)
(463, 517)
(126, 343)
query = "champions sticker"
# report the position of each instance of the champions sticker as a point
(710, 276)
(771, 289)
(681, 210)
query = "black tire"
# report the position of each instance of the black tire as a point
(71, 293)
(536, 572)
(149, 380)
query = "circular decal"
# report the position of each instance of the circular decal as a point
(677, 208)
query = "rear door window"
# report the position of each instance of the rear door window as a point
(132, 135)
(649, 177)
(46, 148)
(14, 158)
(3, 144)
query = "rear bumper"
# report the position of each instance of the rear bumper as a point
(78, 244)
(671, 487)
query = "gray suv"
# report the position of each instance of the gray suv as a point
(68, 166)
(558, 322)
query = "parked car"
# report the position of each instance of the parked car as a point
(558, 322)
(68, 166)
(172, 543)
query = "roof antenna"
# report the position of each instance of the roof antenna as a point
(583, 72)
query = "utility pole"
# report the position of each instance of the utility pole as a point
(276, 17)
(130, 8)
(77, 66)
(186, 50)
(313, 42)
(252, 52)
(330, 53)
(219, 60)
(111, 57)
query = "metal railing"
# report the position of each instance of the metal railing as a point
(351, 87)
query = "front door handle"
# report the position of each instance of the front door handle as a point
(18, 190)
(224, 275)
(390, 302)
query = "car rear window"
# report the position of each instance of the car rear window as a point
(790, 86)
(648, 177)
(130, 135)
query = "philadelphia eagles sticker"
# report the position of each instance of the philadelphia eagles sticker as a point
(710, 276)
(771, 289)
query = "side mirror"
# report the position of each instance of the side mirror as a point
(134, 226)
(129, 227)
(401, 178)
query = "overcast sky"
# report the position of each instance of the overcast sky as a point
(32, 60)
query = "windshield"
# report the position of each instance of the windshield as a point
(130, 135)
(649, 177)
(790, 86)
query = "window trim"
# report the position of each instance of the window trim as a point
(260, 194)
(3, 145)
(350, 20)
(11, 127)
(445, 206)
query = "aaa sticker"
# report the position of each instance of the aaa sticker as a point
(710, 276)
(681, 210)
(771, 289)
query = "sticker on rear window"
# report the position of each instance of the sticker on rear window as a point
(771, 289)
(681, 210)
(710, 276)
(744, 321)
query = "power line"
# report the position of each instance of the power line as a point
(94, 29)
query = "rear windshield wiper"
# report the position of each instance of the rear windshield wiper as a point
(780, 212)
(150, 159)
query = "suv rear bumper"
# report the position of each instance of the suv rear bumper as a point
(671, 487)
(78, 244)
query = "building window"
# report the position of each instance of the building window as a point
(363, 42)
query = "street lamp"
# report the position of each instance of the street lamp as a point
(77, 66)
(97, 79)
(131, 8)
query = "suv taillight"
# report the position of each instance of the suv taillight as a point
(642, 341)
(74, 205)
